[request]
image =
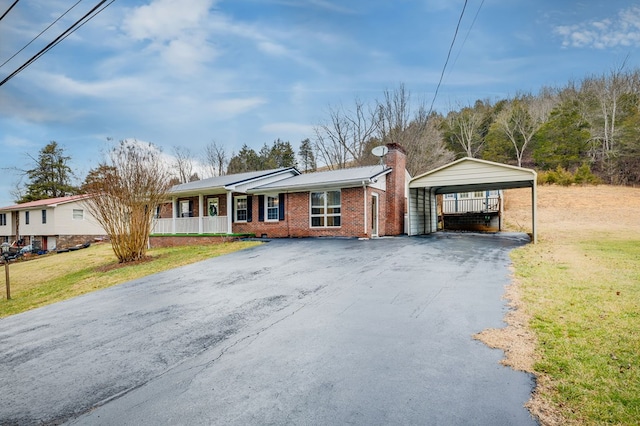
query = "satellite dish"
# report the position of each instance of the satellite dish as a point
(380, 151)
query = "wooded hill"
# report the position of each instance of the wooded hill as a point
(586, 131)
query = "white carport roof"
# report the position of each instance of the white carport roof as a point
(471, 174)
(467, 174)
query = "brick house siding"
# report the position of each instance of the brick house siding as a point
(297, 220)
(295, 217)
(396, 158)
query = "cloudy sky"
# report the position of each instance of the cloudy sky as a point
(185, 73)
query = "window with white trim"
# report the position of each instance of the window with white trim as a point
(78, 214)
(26, 218)
(325, 209)
(44, 217)
(272, 207)
(3, 219)
(240, 209)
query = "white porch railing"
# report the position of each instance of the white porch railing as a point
(214, 225)
(190, 225)
(471, 205)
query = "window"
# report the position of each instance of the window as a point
(325, 209)
(185, 208)
(464, 195)
(213, 206)
(478, 194)
(272, 207)
(241, 209)
(78, 214)
(44, 217)
(3, 219)
(26, 218)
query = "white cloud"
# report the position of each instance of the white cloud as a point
(287, 128)
(232, 107)
(606, 33)
(14, 141)
(164, 20)
(110, 88)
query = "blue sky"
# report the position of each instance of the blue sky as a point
(184, 73)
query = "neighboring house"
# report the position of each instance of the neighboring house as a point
(49, 224)
(357, 202)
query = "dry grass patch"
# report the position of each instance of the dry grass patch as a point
(57, 277)
(576, 299)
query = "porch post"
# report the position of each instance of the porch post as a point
(364, 196)
(229, 212)
(200, 216)
(534, 210)
(174, 214)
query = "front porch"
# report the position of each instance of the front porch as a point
(194, 214)
(191, 225)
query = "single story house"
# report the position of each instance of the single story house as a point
(49, 224)
(364, 202)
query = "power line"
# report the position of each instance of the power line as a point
(448, 56)
(78, 24)
(41, 32)
(8, 10)
(466, 36)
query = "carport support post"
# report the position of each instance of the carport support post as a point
(6, 276)
(534, 211)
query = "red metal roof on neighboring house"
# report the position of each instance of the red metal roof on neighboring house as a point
(47, 202)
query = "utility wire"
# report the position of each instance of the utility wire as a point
(78, 24)
(448, 56)
(465, 37)
(8, 10)
(41, 32)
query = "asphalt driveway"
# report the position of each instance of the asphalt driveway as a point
(308, 331)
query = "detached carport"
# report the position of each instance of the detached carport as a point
(464, 175)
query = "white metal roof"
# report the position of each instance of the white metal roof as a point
(341, 178)
(468, 174)
(229, 182)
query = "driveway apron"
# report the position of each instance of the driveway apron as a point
(310, 331)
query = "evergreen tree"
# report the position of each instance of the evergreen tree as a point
(51, 175)
(563, 140)
(307, 156)
(247, 160)
(282, 154)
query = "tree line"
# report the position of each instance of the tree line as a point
(588, 128)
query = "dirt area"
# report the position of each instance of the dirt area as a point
(576, 210)
(564, 213)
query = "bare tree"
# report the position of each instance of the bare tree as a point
(463, 130)
(215, 159)
(343, 142)
(522, 117)
(394, 113)
(424, 143)
(605, 95)
(126, 190)
(183, 163)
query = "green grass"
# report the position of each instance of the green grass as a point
(584, 300)
(52, 278)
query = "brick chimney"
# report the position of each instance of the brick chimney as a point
(396, 159)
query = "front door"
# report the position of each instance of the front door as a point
(374, 215)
